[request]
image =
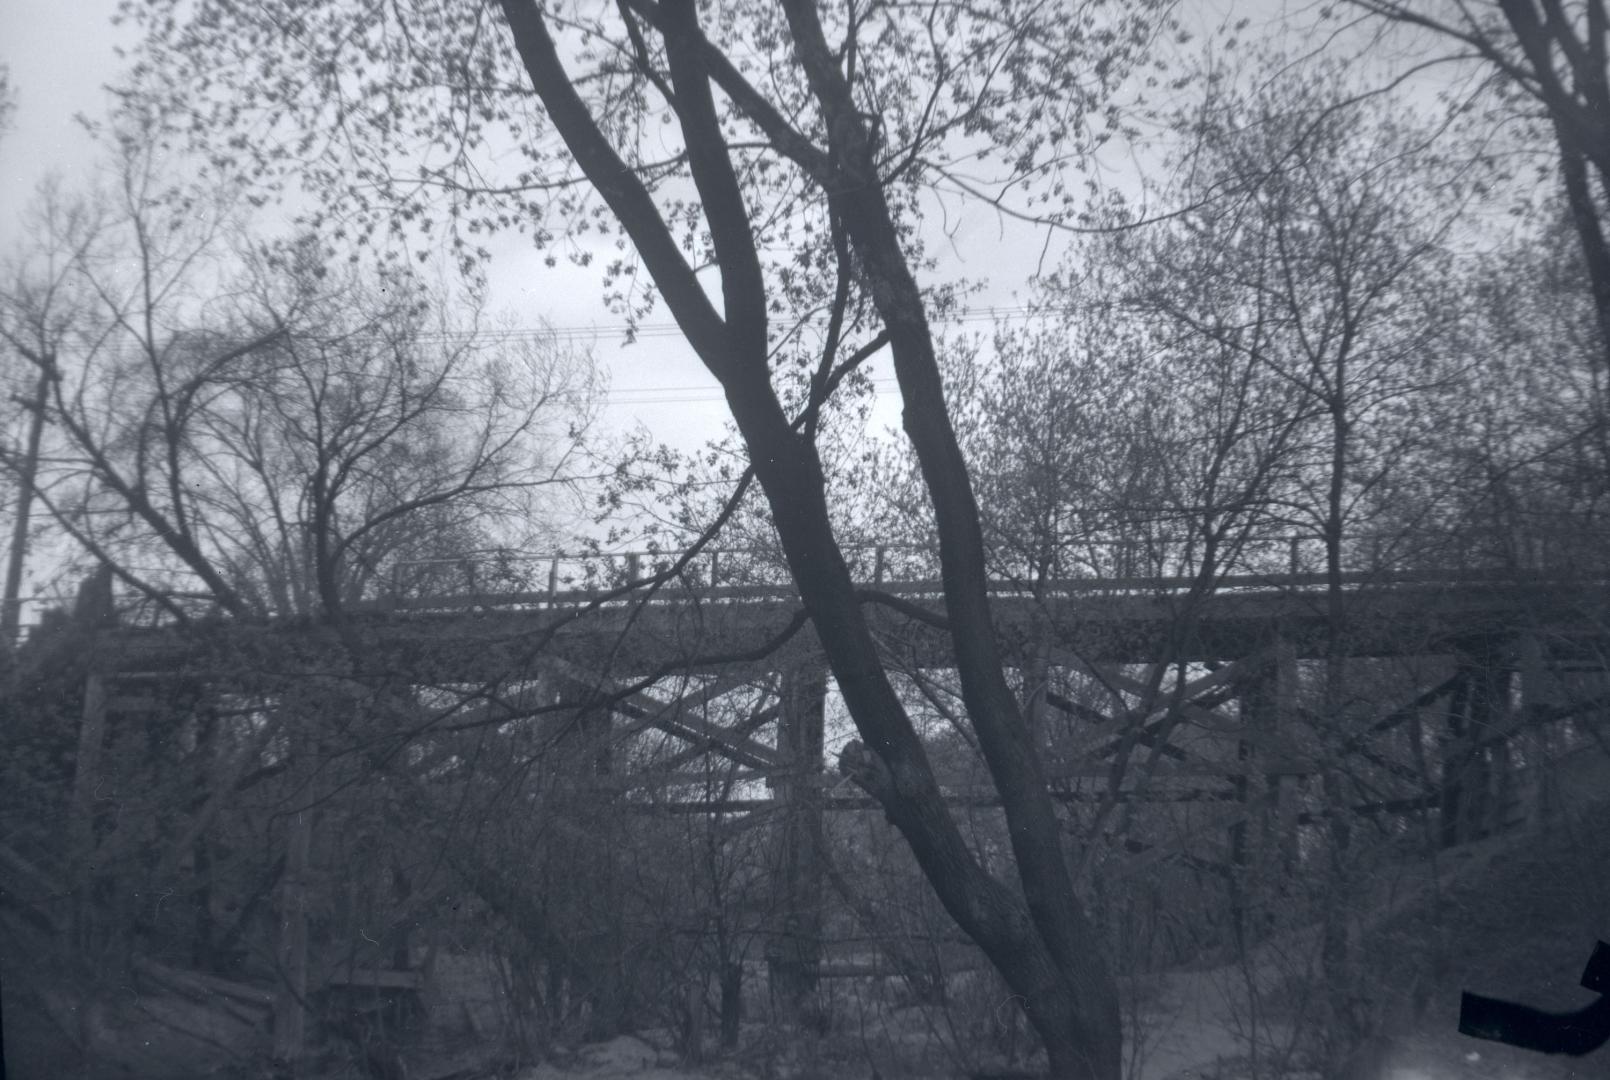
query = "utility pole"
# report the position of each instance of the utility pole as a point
(27, 475)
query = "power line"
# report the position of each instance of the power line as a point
(678, 395)
(662, 395)
(653, 330)
(673, 395)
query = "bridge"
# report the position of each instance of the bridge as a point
(1181, 715)
(1124, 657)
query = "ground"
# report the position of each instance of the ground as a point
(1515, 917)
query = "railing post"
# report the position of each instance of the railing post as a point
(1293, 556)
(877, 565)
(553, 578)
(632, 566)
(469, 575)
(715, 567)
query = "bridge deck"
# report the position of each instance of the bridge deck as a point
(1112, 620)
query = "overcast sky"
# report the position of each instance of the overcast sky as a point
(61, 55)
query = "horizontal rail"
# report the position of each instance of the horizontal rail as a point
(1072, 566)
(678, 592)
(1075, 568)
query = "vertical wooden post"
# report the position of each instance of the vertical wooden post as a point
(1267, 852)
(1450, 803)
(1538, 689)
(86, 782)
(1476, 711)
(1037, 679)
(582, 736)
(590, 969)
(1282, 799)
(593, 729)
(290, 1019)
(796, 951)
(1490, 712)
(732, 975)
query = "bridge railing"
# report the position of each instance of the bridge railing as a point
(1077, 565)
(1083, 564)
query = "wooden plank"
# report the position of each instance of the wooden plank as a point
(1194, 768)
(376, 978)
(745, 727)
(979, 799)
(1193, 688)
(674, 718)
(196, 981)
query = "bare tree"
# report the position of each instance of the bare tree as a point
(37, 309)
(818, 130)
(1323, 268)
(279, 445)
(265, 431)
(1550, 63)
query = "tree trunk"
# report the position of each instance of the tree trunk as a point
(1039, 940)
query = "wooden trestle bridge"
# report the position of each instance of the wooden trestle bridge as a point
(1465, 685)
(1193, 693)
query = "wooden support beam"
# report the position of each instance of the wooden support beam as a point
(376, 978)
(1263, 846)
(981, 799)
(1074, 708)
(795, 951)
(675, 718)
(713, 737)
(1208, 717)
(1288, 766)
(262, 997)
(1222, 683)
(743, 729)
(86, 781)
(290, 1017)
(658, 778)
(1220, 677)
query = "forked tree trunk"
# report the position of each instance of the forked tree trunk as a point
(1038, 936)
